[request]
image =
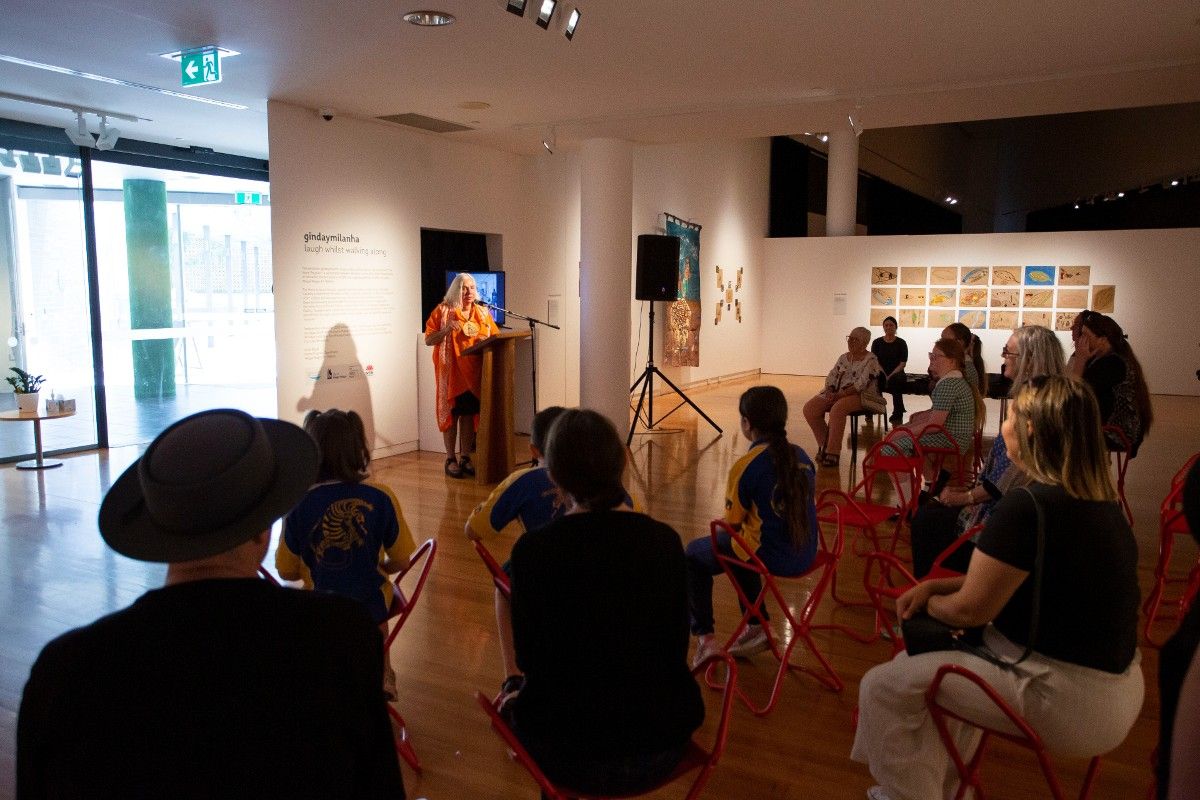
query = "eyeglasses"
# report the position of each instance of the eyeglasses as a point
(935, 354)
(1006, 353)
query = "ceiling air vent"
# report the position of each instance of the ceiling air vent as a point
(426, 123)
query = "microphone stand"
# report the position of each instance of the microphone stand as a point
(533, 323)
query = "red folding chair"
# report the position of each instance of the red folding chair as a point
(696, 758)
(1171, 524)
(499, 576)
(419, 565)
(886, 577)
(968, 771)
(892, 463)
(938, 448)
(1121, 455)
(799, 626)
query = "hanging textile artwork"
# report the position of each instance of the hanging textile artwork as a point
(682, 341)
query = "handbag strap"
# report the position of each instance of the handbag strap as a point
(984, 651)
(1038, 563)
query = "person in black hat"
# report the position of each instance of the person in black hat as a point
(219, 684)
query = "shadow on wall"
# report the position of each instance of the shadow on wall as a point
(341, 382)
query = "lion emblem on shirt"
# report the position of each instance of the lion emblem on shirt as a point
(343, 526)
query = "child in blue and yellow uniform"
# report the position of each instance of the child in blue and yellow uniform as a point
(769, 500)
(347, 535)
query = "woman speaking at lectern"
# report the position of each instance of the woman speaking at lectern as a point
(455, 325)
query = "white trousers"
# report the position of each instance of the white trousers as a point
(1078, 712)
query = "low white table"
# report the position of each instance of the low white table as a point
(36, 418)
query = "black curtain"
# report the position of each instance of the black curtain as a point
(447, 250)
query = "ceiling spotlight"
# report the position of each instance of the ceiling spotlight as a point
(548, 141)
(108, 136)
(572, 24)
(7, 159)
(428, 19)
(546, 13)
(517, 7)
(74, 169)
(855, 125)
(1077, 206)
(1175, 182)
(1120, 194)
(824, 137)
(78, 133)
(29, 162)
(51, 165)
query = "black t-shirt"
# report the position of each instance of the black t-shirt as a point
(890, 354)
(600, 624)
(1089, 597)
(215, 688)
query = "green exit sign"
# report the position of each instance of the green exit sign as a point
(249, 198)
(198, 67)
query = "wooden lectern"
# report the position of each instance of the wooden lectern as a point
(495, 456)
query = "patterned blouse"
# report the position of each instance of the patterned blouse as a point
(858, 374)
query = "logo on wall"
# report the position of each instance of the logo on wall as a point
(683, 317)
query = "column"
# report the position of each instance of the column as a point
(147, 245)
(606, 263)
(841, 198)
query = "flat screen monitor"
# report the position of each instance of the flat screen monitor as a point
(488, 285)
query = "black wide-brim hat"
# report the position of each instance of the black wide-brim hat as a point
(206, 484)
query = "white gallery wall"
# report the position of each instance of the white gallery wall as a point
(1155, 272)
(722, 186)
(381, 185)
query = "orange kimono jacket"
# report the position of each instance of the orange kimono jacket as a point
(455, 373)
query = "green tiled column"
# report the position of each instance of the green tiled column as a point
(147, 243)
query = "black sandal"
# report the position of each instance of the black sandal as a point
(452, 468)
(467, 467)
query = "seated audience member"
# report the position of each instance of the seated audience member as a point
(892, 353)
(1080, 688)
(1178, 765)
(219, 684)
(1029, 352)
(347, 535)
(769, 500)
(974, 370)
(1105, 360)
(599, 613)
(957, 405)
(852, 385)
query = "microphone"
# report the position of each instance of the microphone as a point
(483, 303)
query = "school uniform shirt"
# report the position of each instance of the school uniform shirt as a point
(527, 495)
(751, 502)
(337, 537)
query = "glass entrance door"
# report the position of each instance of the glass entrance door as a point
(187, 311)
(45, 324)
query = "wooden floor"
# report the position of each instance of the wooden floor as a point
(57, 574)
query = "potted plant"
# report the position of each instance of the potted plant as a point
(25, 387)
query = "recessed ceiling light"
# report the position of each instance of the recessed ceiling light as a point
(1175, 182)
(1120, 194)
(91, 76)
(429, 19)
(572, 24)
(223, 52)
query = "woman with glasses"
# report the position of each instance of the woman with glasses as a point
(852, 385)
(892, 353)
(1104, 359)
(957, 404)
(1079, 684)
(1030, 351)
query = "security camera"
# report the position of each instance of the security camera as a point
(326, 114)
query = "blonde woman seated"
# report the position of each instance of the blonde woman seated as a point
(852, 385)
(1081, 686)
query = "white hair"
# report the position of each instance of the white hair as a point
(454, 292)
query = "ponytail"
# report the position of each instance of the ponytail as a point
(792, 486)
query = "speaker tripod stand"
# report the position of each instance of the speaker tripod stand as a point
(646, 400)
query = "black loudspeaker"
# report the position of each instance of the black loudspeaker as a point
(657, 267)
